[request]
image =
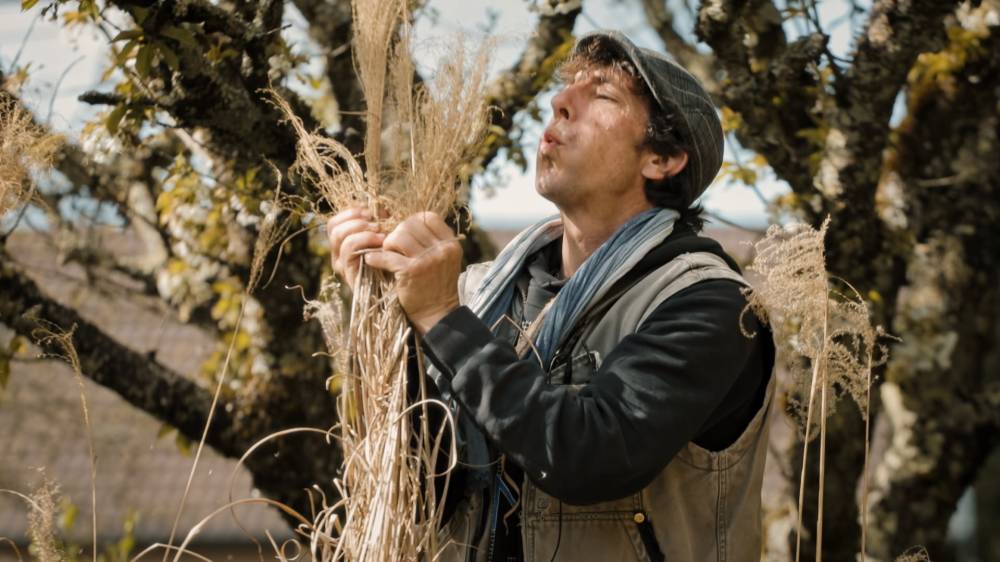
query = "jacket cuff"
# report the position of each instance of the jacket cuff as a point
(455, 339)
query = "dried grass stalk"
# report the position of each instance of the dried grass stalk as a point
(914, 554)
(375, 23)
(45, 545)
(272, 231)
(388, 511)
(49, 334)
(24, 149)
(824, 338)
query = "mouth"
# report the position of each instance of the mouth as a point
(549, 141)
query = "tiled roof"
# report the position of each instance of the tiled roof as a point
(41, 424)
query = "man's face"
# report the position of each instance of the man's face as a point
(592, 152)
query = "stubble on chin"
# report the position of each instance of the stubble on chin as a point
(544, 168)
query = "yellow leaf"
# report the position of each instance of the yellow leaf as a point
(175, 266)
(75, 18)
(219, 308)
(731, 120)
(28, 4)
(242, 340)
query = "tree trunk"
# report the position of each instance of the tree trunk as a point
(942, 390)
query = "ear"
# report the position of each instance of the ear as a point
(656, 167)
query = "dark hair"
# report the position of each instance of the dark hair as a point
(663, 135)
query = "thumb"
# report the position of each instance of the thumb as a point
(387, 261)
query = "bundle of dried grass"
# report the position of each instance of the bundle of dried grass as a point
(24, 148)
(824, 338)
(389, 511)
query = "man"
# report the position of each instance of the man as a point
(601, 355)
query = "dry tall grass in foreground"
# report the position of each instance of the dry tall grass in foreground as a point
(45, 545)
(48, 333)
(824, 339)
(24, 148)
(389, 509)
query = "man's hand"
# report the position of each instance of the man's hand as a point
(426, 258)
(351, 231)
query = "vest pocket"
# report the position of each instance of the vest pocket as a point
(578, 370)
(601, 531)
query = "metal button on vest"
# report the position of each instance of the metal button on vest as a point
(639, 517)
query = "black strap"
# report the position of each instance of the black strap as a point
(649, 540)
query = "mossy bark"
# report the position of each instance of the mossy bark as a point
(915, 217)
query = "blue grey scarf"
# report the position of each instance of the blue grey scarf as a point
(599, 272)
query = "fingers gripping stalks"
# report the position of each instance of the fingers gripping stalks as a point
(426, 259)
(350, 232)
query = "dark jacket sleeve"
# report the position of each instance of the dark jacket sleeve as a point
(652, 394)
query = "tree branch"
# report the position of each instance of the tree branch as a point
(702, 65)
(330, 25)
(139, 379)
(514, 89)
(895, 34)
(768, 69)
(223, 96)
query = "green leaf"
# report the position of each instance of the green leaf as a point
(68, 517)
(164, 430)
(4, 370)
(179, 34)
(169, 56)
(127, 34)
(183, 444)
(16, 345)
(139, 14)
(125, 52)
(115, 118)
(144, 61)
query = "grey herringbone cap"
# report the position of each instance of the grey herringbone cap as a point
(679, 93)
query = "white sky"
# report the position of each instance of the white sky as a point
(76, 57)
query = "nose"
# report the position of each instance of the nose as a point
(561, 104)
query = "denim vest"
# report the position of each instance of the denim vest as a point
(703, 506)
